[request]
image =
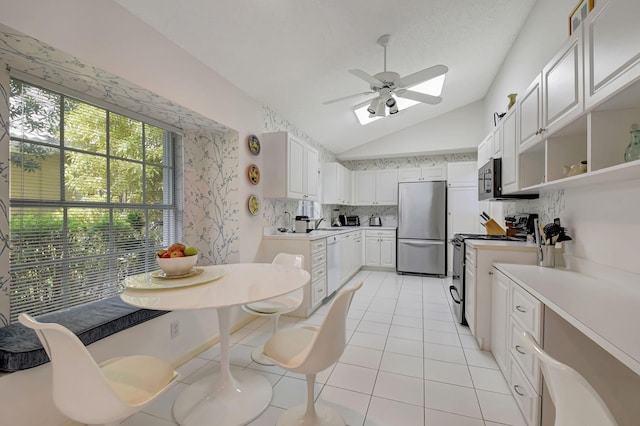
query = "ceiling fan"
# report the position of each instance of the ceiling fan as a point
(386, 84)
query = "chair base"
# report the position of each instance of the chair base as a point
(258, 357)
(326, 416)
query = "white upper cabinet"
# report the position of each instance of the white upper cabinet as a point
(496, 141)
(336, 184)
(562, 83)
(484, 150)
(312, 167)
(529, 115)
(510, 163)
(376, 187)
(423, 173)
(291, 168)
(462, 173)
(555, 97)
(612, 48)
(387, 187)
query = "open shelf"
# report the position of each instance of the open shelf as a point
(619, 173)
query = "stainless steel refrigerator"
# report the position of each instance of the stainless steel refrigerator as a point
(422, 228)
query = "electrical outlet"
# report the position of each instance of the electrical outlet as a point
(175, 330)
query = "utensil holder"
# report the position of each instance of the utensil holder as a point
(547, 256)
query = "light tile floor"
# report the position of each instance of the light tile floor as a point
(407, 362)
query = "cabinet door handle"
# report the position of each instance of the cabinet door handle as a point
(520, 351)
(490, 272)
(515, 388)
(520, 308)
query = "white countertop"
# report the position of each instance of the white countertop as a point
(606, 310)
(272, 233)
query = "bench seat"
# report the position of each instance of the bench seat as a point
(21, 349)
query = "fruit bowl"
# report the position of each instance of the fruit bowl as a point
(177, 265)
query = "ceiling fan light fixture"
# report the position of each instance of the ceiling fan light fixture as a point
(380, 110)
(373, 106)
(391, 102)
(393, 109)
(363, 115)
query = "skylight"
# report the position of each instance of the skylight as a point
(430, 87)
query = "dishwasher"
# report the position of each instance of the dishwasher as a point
(333, 264)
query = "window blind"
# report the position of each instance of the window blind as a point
(92, 198)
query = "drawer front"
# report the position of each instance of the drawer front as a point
(318, 259)
(318, 245)
(388, 233)
(527, 310)
(523, 356)
(318, 271)
(527, 399)
(318, 290)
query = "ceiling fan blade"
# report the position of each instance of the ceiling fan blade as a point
(420, 76)
(419, 97)
(344, 98)
(367, 77)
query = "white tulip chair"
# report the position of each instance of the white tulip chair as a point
(98, 394)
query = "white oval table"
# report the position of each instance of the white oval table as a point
(222, 398)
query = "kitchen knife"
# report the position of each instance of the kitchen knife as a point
(485, 216)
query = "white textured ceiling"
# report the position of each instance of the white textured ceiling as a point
(293, 55)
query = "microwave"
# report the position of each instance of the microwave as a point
(490, 180)
(490, 183)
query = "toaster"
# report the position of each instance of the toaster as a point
(303, 224)
(353, 221)
(375, 221)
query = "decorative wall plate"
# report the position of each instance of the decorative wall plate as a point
(254, 205)
(254, 174)
(254, 144)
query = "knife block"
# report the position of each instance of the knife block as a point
(493, 228)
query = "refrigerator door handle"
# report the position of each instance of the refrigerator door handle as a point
(421, 243)
(453, 288)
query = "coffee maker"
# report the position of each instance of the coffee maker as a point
(335, 218)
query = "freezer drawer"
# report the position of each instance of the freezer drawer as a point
(422, 256)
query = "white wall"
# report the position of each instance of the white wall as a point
(457, 131)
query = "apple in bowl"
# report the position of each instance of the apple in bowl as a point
(177, 259)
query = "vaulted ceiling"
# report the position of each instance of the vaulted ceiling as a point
(293, 55)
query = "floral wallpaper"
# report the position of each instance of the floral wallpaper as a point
(211, 200)
(5, 281)
(210, 176)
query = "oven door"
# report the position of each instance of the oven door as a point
(456, 290)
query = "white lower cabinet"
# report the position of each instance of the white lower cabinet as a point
(380, 248)
(499, 315)
(515, 310)
(478, 298)
(315, 262)
(351, 254)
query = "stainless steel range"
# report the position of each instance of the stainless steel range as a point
(457, 279)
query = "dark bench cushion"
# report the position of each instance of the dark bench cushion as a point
(20, 347)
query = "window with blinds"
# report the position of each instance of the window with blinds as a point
(91, 199)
